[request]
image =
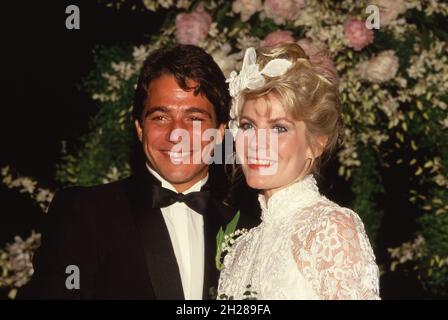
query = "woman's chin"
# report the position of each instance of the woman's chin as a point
(259, 182)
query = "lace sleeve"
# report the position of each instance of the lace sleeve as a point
(336, 257)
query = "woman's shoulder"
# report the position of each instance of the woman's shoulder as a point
(327, 217)
(325, 210)
(333, 231)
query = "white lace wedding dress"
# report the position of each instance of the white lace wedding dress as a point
(306, 247)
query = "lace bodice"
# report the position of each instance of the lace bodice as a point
(306, 247)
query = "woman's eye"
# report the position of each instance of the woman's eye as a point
(245, 126)
(279, 129)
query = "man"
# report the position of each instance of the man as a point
(150, 236)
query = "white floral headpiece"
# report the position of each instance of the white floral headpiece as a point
(250, 77)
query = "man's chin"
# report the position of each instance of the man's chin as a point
(182, 174)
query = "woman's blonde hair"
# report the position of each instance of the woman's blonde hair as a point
(308, 91)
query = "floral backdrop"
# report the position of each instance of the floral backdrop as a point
(393, 84)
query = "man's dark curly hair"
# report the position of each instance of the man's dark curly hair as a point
(185, 62)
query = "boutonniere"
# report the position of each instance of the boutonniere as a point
(225, 239)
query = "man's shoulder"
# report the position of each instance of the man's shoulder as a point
(97, 191)
(91, 198)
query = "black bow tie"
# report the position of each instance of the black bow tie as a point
(197, 201)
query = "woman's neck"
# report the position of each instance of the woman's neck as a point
(268, 193)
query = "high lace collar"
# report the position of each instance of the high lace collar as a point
(288, 200)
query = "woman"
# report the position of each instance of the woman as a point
(306, 247)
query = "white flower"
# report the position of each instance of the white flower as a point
(151, 5)
(113, 175)
(166, 3)
(444, 123)
(113, 81)
(441, 180)
(28, 185)
(246, 40)
(225, 61)
(43, 195)
(389, 107)
(183, 4)
(5, 170)
(140, 53)
(124, 69)
(407, 251)
(250, 77)
(381, 68)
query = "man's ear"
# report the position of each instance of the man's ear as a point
(138, 129)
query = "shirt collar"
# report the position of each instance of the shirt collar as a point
(289, 200)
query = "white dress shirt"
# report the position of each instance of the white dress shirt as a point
(186, 229)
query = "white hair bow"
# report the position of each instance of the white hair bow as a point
(250, 77)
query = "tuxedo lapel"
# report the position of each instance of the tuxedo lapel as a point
(158, 250)
(218, 215)
(211, 227)
(156, 242)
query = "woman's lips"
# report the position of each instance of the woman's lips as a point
(259, 163)
(258, 166)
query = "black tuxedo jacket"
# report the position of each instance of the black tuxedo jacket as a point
(119, 243)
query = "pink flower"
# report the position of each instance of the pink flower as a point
(389, 10)
(356, 34)
(282, 11)
(320, 60)
(383, 67)
(308, 46)
(277, 37)
(192, 28)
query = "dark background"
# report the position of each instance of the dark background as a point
(43, 64)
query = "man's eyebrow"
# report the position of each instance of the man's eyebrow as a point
(199, 110)
(151, 110)
(189, 110)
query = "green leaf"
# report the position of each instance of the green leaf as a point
(231, 227)
(219, 241)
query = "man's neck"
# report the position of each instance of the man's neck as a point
(182, 187)
(190, 186)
